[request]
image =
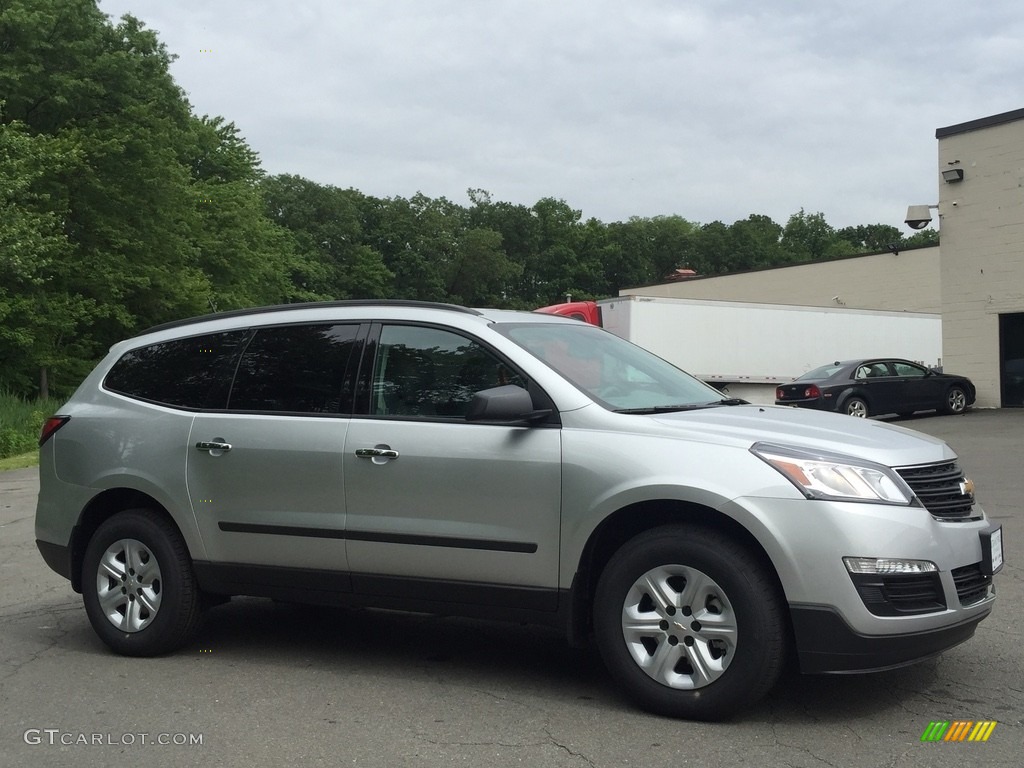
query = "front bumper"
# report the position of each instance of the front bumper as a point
(827, 644)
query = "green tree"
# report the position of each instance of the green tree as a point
(160, 211)
(922, 238)
(756, 243)
(41, 325)
(870, 238)
(480, 271)
(519, 228)
(807, 237)
(332, 261)
(123, 199)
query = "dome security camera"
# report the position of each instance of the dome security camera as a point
(918, 216)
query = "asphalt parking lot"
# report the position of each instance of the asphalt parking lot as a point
(271, 684)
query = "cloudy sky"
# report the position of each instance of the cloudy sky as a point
(712, 110)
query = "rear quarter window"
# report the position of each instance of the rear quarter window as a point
(190, 373)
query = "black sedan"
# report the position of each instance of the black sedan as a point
(876, 387)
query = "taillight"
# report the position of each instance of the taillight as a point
(51, 425)
(779, 394)
(812, 391)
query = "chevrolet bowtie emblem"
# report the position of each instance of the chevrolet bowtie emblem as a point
(967, 487)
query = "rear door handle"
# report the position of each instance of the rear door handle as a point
(376, 453)
(213, 445)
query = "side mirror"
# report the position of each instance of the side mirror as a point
(504, 405)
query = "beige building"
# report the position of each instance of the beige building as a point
(975, 280)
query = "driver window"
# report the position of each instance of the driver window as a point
(427, 372)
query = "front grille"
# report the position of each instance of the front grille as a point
(900, 594)
(940, 489)
(971, 584)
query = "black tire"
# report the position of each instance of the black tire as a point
(735, 590)
(956, 400)
(856, 406)
(138, 586)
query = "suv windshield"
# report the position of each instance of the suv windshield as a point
(619, 375)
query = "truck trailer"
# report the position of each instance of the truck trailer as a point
(749, 348)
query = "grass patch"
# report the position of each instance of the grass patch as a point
(20, 422)
(19, 462)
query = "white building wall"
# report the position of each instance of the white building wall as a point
(982, 227)
(905, 282)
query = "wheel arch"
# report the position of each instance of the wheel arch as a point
(101, 508)
(631, 520)
(853, 392)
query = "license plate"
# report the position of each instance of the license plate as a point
(992, 550)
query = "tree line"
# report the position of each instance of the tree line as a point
(120, 208)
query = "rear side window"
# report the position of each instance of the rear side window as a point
(296, 369)
(191, 373)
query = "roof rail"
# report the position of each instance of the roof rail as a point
(308, 305)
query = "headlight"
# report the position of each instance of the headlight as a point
(840, 478)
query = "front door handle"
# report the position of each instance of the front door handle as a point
(213, 445)
(376, 453)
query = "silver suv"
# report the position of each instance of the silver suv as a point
(505, 465)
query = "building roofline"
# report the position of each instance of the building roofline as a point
(981, 122)
(777, 266)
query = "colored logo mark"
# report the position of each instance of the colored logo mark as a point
(958, 730)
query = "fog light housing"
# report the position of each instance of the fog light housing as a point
(895, 587)
(887, 566)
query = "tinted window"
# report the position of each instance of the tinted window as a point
(297, 369)
(192, 373)
(430, 372)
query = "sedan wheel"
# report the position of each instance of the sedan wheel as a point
(688, 623)
(956, 400)
(856, 407)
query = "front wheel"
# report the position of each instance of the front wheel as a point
(138, 586)
(689, 623)
(956, 400)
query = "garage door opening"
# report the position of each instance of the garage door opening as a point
(1011, 359)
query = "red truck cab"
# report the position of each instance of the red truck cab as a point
(587, 311)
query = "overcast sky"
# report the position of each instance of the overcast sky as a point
(711, 110)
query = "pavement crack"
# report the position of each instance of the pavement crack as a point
(570, 752)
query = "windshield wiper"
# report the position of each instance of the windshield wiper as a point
(682, 406)
(665, 408)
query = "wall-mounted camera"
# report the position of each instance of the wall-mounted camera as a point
(919, 216)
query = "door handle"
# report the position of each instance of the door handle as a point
(213, 445)
(376, 453)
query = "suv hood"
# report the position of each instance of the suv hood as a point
(745, 425)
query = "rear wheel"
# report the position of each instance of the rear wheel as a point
(138, 586)
(856, 406)
(956, 400)
(689, 624)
